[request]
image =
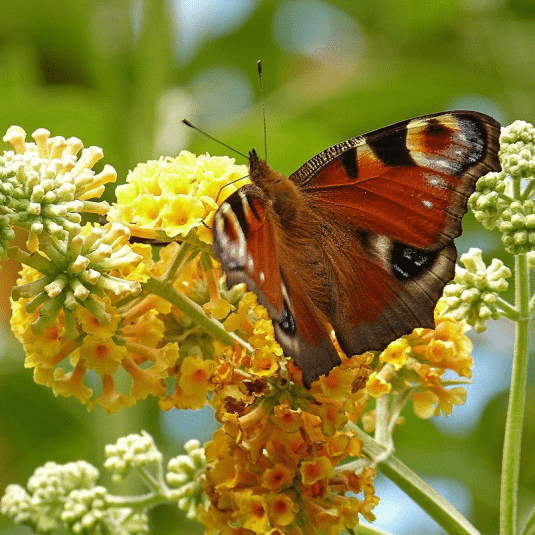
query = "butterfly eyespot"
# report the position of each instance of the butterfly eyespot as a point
(287, 323)
(408, 262)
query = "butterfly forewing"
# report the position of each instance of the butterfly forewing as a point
(245, 240)
(410, 181)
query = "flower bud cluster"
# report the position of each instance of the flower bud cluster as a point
(473, 295)
(132, 451)
(518, 227)
(45, 187)
(85, 509)
(184, 472)
(517, 150)
(76, 271)
(67, 496)
(488, 201)
(50, 485)
(499, 200)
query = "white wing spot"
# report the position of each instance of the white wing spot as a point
(427, 204)
(262, 277)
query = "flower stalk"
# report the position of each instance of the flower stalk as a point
(439, 509)
(517, 400)
(194, 311)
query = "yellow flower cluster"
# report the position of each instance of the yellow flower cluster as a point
(130, 340)
(166, 198)
(271, 467)
(419, 361)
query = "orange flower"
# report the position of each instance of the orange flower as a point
(313, 471)
(252, 511)
(281, 509)
(397, 353)
(277, 477)
(337, 383)
(102, 355)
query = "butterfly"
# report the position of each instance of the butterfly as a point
(360, 238)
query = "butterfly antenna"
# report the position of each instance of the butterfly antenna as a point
(225, 185)
(259, 66)
(187, 123)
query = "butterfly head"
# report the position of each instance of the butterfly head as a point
(282, 193)
(261, 174)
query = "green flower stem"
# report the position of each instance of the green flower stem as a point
(194, 311)
(528, 190)
(382, 435)
(504, 197)
(508, 311)
(440, 510)
(143, 501)
(517, 400)
(171, 272)
(34, 260)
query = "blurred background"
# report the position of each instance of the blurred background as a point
(122, 75)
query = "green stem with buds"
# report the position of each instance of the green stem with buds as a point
(194, 311)
(517, 400)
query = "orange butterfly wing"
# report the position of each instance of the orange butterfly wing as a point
(392, 202)
(246, 240)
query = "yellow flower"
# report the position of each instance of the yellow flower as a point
(264, 362)
(252, 511)
(218, 308)
(313, 471)
(377, 385)
(424, 404)
(397, 353)
(277, 477)
(102, 355)
(168, 197)
(281, 509)
(71, 383)
(147, 211)
(337, 383)
(90, 324)
(180, 214)
(195, 375)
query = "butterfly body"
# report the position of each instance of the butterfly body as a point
(360, 237)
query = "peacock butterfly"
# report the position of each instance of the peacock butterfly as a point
(360, 237)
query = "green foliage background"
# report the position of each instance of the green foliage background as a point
(121, 75)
